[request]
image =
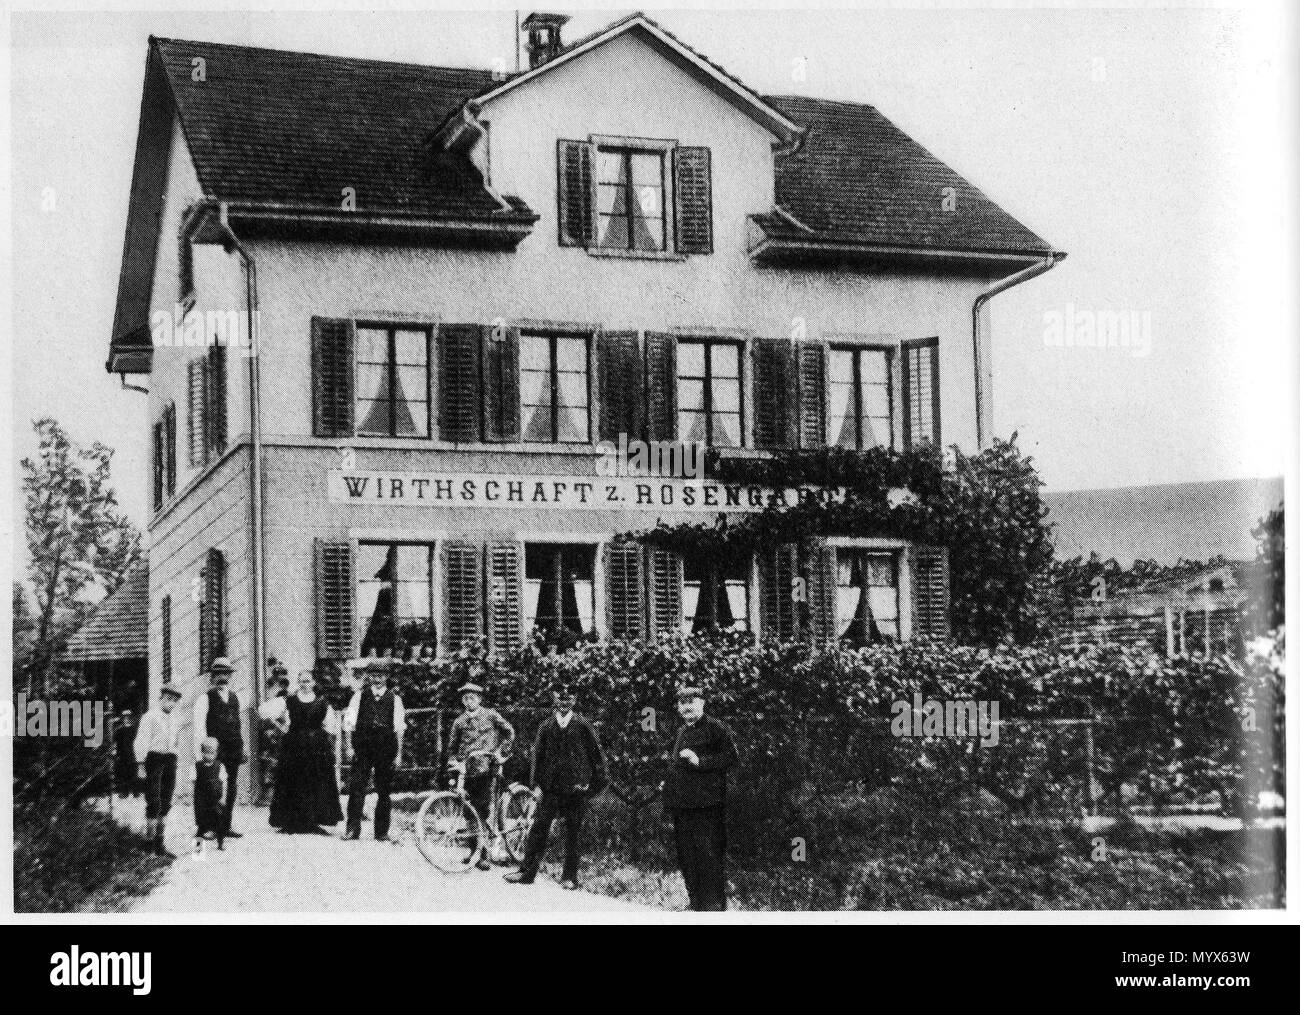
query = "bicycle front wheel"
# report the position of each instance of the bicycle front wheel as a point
(517, 807)
(449, 832)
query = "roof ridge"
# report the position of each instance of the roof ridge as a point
(328, 56)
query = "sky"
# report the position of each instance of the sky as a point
(1143, 142)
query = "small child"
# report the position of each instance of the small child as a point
(208, 795)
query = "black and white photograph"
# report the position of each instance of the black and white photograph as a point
(690, 465)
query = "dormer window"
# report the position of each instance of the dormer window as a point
(630, 199)
(635, 197)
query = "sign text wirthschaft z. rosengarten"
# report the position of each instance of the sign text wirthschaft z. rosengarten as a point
(475, 489)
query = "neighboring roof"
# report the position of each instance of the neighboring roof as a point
(119, 626)
(858, 179)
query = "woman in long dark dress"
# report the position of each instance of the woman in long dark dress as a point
(306, 795)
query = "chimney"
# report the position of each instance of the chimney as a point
(543, 36)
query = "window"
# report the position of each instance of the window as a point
(715, 595)
(708, 393)
(554, 388)
(212, 610)
(920, 392)
(559, 588)
(164, 457)
(866, 596)
(862, 398)
(166, 639)
(392, 382)
(395, 599)
(630, 199)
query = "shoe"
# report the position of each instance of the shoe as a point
(519, 878)
(382, 838)
(350, 836)
(483, 864)
(569, 884)
(232, 834)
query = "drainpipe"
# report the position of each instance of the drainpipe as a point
(232, 244)
(1033, 271)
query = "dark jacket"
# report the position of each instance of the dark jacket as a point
(376, 731)
(564, 759)
(706, 785)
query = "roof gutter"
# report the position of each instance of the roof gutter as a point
(232, 245)
(983, 425)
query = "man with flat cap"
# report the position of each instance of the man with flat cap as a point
(695, 794)
(217, 715)
(157, 741)
(568, 768)
(480, 739)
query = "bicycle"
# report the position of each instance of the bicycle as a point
(452, 836)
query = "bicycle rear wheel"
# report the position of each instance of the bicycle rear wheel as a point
(449, 832)
(517, 807)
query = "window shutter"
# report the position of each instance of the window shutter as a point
(920, 367)
(576, 189)
(463, 625)
(198, 395)
(212, 627)
(159, 451)
(930, 591)
(693, 191)
(332, 343)
(459, 374)
(812, 394)
(776, 573)
(624, 602)
(775, 393)
(169, 421)
(820, 575)
(618, 373)
(500, 384)
(166, 639)
(216, 411)
(505, 597)
(665, 590)
(661, 386)
(334, 621)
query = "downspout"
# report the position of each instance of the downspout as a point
(255, 470)
(1033, 271)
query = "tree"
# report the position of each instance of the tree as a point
(1268, 602)
(78, 540)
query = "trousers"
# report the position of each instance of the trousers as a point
(572, 807)
(160, 783)
(701, 834)
(363, 762)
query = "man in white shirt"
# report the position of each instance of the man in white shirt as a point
(375, 723)
(219, 715)
(156, 744)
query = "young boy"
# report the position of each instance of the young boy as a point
(209, 809)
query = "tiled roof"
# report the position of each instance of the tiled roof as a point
(119, 627)
(278, 127)
(857, 178)
(296, 128)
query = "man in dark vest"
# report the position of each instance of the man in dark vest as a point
(217, 714)
(695, 794)
(568, 768)
(376, 721)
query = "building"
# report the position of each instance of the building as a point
(112, 647)
(458, 283)
(1197, 609)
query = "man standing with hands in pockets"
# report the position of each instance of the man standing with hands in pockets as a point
(695, 794)
(376, 721)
